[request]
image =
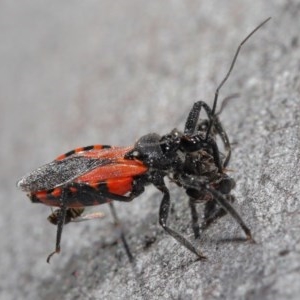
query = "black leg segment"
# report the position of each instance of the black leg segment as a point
(228, 208)
(193, 117)
(163, 216)
(194, 214)
(60, 224)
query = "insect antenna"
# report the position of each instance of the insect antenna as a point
(225, 102)
(229, 71)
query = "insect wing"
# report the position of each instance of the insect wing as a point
(68, 168)
(116, 169)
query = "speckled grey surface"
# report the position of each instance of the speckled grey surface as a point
(75, 73)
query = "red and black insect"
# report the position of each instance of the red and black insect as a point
(98, 174)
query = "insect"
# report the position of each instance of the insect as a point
(99, 174)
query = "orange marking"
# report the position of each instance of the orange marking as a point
(119, 186)
(93, 184)
(41, 195)
(113, 153)
(73, 189)
(56, 192)
(119, 169)
(97, 147)
(61, 157)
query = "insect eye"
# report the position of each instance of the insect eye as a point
(135, 153)
(132, 155)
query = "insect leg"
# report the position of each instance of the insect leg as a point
(60, 224)
(192, 121)
(194, 214)
(163, 216)
(192, 182)
(220, 130)
(212, 213)
(224, 137)
(122, 235)
(87, 195)
(193, 117)
(221, 200)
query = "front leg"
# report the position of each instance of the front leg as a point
(193, 117)
(163, 217)
(60, 224)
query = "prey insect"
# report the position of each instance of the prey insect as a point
(101, 174)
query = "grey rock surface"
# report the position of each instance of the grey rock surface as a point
(75, 73)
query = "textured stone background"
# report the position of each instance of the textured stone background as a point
(75, 73)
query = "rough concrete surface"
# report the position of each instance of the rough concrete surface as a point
(75, 73)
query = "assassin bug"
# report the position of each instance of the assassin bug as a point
(98, 174)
